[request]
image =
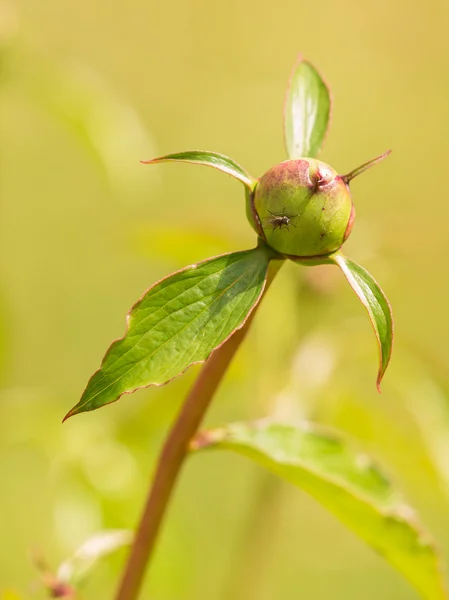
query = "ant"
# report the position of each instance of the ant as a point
(282, 221)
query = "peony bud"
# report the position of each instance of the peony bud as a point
(303, 208)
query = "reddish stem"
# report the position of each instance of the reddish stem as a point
(174, 452)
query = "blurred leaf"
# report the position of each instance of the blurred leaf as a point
(307, 111)
(179, 322)
(80, 98)
(346, 483)
(422, 390)
(209, 159)
(375, 302)
(77, 567)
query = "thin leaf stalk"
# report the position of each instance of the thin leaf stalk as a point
(174, 452)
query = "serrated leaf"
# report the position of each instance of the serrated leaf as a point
(375, 302)
(178, 322)
(209, 159)
(307, 111)
(75, 569)
(347, 483)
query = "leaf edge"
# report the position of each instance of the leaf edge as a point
(299, 60)
(339, 259)
(76, 409)
(247, 179)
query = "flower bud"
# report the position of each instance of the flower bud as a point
(303, 208)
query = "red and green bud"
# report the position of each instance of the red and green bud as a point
(303, 208)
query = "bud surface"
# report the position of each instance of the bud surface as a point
(304, 208)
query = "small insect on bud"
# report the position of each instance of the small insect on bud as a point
(303, 208)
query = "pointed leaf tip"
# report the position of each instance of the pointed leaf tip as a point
(179, 322)
(307, 111)
(347, 483)
(209, 159)
(365, 166)
(376, 303)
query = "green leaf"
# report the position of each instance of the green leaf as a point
(75, 569)
(375, 302)
(347, 483)
(178, 322)
(209, 159)
(307, 111)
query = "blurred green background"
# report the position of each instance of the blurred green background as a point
(87, 89)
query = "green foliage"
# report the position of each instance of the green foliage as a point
(76, 252)
(174, 325)
(209, 159)
(184, 317)
(307, 111)
(347, 483)
(375, 302)
(178, 322)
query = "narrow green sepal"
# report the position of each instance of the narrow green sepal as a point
(307, 111)
(209, 159)
(376, 303)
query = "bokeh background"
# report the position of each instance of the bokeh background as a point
(87, 90)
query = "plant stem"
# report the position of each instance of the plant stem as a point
(175, 451)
